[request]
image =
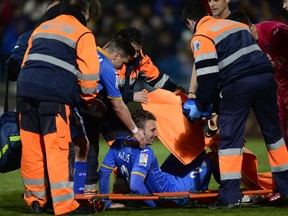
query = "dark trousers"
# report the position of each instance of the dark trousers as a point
(259, 93)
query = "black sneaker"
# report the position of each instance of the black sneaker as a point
(220, 205)
(36, 209)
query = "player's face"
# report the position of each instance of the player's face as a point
(285, 5)
(118, 63)
(219, 8)
(150, 132)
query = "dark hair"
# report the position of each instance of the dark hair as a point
(95, 9)
(121, 45)
(194, 10)
(83, 5)
(240, 16)
(131, 34)
(141, 117)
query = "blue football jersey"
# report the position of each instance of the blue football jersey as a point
(108, 76)
(132, 160)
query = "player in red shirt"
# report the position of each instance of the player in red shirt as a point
(272, 39)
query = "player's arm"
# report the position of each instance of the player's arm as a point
(141, 167)
(123, 113)
(121, 110)
(280, 43)
(137, 186)
(105, 170)
(104, 178)
(104, 181)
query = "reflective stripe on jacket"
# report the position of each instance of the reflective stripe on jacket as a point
(61, 56)
(143, 68)
(224, 51)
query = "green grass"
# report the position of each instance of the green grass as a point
(11, 189)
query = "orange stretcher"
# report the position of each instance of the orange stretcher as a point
(208, 196)
(186, 141)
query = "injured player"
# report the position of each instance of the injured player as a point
(140, 169)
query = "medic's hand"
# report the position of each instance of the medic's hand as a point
(190, 110)
(141, 96)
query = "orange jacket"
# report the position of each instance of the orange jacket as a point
(61, 57)
(142, 67)
(221, 58)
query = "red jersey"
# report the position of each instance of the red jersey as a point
(272, 39)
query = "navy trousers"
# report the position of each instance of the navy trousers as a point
(256, 92)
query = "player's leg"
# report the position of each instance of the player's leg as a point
(266, 111)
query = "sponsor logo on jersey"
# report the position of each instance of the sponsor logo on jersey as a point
(143, 160)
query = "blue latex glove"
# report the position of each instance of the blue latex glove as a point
(190, 109)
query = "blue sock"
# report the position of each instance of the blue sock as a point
(80, 171)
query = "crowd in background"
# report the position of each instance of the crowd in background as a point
(166, 38)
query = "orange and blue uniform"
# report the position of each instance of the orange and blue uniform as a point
(141, 67)
(60, 71)
(228, 61)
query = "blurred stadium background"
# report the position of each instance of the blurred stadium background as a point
(166, 38)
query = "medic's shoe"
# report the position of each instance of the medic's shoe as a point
(272, 197)
(36, 209)
(221, 205)
(277, 200)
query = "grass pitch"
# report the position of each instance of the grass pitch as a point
(11, 189)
